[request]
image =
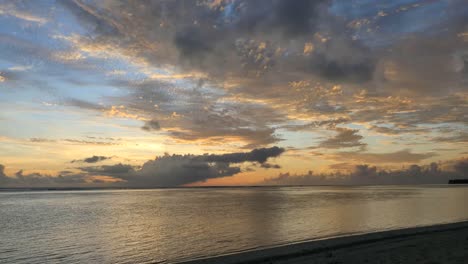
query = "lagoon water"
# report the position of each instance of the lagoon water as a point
(168, 225)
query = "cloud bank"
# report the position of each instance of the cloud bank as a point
(164, 171)
(371, 175)
(37, 180)
(176, 170)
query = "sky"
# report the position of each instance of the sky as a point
(232, 92)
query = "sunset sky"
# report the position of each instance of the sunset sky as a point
(104, 93)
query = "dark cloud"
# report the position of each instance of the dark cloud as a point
(260, 47)
(461, 137)
(91, 19)
(217, 29)
(342, 166)
(103, 138)
(92, 159)
(280, 21)
(346, 138)
(462, 167)
(227, 125)
(84, 104)
(151, 125)
(110, 170)
(401, 156)
(396, 115)
(408, 69)
(104, 141)
(329, 123)
(41, 140)
(324, 107)
(170, 171)
(40, 180)
(235, 38)
(270, 166)
(175, 170)
(88, 142)
(7, 76)
(448, 109)
(292, 19)
(397, 131)
(256, 155)
(34, 180)
(342, 70)
(11, 44)
(192, 43)
(199, 114)
(3, 178)
(371, 175)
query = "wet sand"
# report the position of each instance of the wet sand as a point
(447, 243)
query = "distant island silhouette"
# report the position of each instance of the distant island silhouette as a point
(458, 181)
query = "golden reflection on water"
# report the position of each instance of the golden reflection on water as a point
(155, 225)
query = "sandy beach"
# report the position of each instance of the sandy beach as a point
(447, 243)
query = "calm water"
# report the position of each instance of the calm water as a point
(141, 226)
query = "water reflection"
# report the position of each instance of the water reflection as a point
(128, 226)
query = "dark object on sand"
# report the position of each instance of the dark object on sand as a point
(458, 181)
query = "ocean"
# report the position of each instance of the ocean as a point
(170, 225)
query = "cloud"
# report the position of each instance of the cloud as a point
(230, 34)
(254, 49)
(328, 123)
(103, 142)
(342, 166)
(401, 156)
(461, 137)
(12, 10)
(291, 19)
(10, 75)
(88, 142)
(397, 131)
(92, 159)
(270, 166)
(238, 19)
(151, 125)
(192, 43)
(199, 113)
(176, 170)
(173, 171)
(462, 167)
(371, 175)
(408, 69)
(239, 73)
(41, 140)
(21, 68)
(3, 178)
(37, 180)
(408, 116)
(257, 155)
(84, 104)
(109, 170)
(337, 70)
(346, 138)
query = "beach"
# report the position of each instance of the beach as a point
(446, 243)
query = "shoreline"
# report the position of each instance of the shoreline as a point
(45, 189)
(408, 245)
